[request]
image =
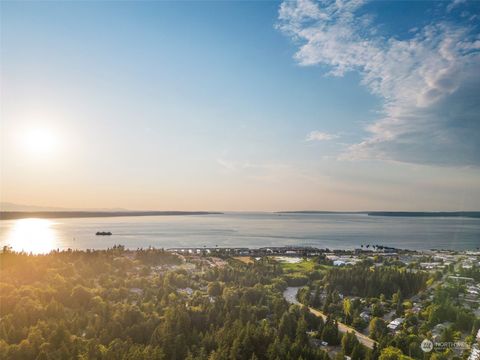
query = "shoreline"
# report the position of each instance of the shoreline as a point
(275, 251)
(15, 215)
(54, 214)
(416, 214)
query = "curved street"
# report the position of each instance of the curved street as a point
(290, 294)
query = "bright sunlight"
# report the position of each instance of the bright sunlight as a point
(33, 235)
(41, 141)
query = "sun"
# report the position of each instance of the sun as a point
(40, 141)
(37, 236)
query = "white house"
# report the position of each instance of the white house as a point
(395, 324)
(475, 354)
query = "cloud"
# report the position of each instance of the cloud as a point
(320, 136)
(227, 164)
(267, 172)
(247, 166)
(429, 82)
(454, 4)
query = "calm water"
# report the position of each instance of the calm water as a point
(335, 231)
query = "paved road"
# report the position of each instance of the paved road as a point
(290, 296)
(343, 328)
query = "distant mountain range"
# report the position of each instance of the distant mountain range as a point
(13, 215)
(8, 206)
(17, 211)
(11, 211)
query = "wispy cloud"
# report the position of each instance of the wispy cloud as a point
(227, 164)
(320, 136)
(247, 166)
(269, 172)
(429, 82)
(454, 4)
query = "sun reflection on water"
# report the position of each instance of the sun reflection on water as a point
(33, 236)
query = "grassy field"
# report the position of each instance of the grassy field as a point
(304, 266)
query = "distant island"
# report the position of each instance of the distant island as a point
(320, 212)
(12, 215)
(469, 214)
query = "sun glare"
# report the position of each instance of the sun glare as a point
(33, 235)
(40, 141)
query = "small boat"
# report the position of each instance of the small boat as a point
(103, 233)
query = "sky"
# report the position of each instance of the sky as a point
(241, 106)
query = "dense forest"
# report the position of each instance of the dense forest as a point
(116, 304)
(362, 280)
(152, 304)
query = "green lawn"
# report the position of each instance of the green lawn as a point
(305, 266)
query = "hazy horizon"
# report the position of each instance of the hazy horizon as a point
(241, 106)
(39, 208)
